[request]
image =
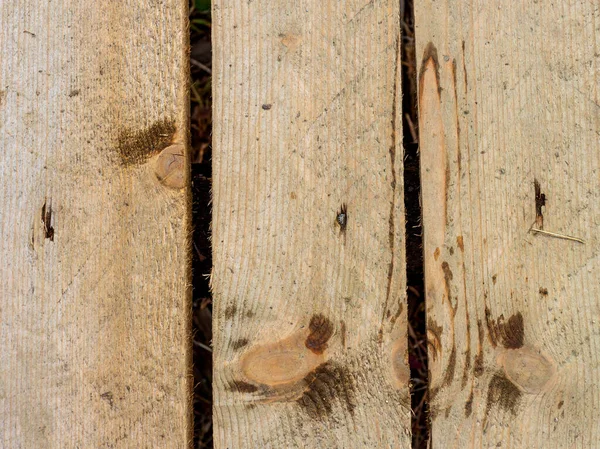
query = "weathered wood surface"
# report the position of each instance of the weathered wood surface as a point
(310, 320)
(93, 255)
(508, 98)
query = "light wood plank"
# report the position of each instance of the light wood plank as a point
(94, 262)
(508, 97)
(310, 320)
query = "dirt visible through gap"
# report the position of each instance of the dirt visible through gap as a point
(201, 127)
(417, 335)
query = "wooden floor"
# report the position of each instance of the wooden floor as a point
(308, 232)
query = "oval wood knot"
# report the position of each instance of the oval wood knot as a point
(527, 369)
(291, 359)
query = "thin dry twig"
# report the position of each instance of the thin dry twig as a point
(557, 235)
(203, 346)
(411, 126)
(201, 66)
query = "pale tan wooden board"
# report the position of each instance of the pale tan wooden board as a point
(310, 322)
(93, 254)
(509, 95)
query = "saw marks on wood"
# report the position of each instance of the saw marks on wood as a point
(94, 268)
(308, 226)
(509, 119)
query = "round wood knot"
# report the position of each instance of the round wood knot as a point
(527, 369)
(170, 166)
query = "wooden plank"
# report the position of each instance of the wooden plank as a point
(94, 271)
(509, 119)
(310, 318)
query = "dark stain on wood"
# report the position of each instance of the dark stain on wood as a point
(465, 67)
(467, 369)
(461, 244)
(494, 279)
(503, 393)
(238, 344)
(230, 312)
(380, 335)
(478, 365)
(492, 329)
(32, 238)
(447, 272)
(328, 383)
(436, 330)
(540, 202)
(480, 332)
(447, 278)
(560, 404)
(137, 146)
(391, 218)
(478, 362)
(454, 79)
(450, 369)
(241, 386)
(543, 291)
(47, 220)
(448, 378)
(458, 153)
(397, 314)
(508, 333)
(467, 366)
(469, 406)
(430, 55)
(446, 184)
(321, 330)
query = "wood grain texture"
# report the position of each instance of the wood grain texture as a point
(310, 317)
(93, 256)
(509, 132)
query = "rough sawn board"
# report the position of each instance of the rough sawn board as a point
(94, 320)
(308, 226)
(509, 135)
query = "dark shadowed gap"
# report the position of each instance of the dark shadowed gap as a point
(417, 333)
(200, 129)
(202, 307)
